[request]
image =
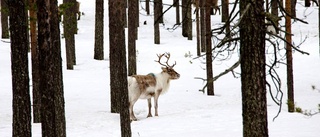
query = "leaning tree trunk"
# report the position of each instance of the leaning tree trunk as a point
(98, 33)
(253, 75)
(21, 105)
(53, 122)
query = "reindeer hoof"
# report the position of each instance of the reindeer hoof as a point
(149, 115)
(133, 119)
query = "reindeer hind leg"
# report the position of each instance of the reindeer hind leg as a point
(132, 116)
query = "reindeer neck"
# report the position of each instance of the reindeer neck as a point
(163, 80)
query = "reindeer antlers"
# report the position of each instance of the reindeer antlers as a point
(167, 55)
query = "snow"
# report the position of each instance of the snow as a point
(183, 111)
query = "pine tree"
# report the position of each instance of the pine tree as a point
(21, 104)
(53, 122)
(118, 68)
(253, 72)
(98, 36)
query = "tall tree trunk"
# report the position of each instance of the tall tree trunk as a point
(198, 29)
(293, 8)
(202, 25)
(275, 12)
(289, 59)
(160, 11)
(176, 4)
(21, 104)
(156, 22)
(132, 63)
(184, 5)
(118, 68)
(148, 7)
(210, 90)
(35, 63)
(225, 16)
(137, 14)
(225, 10)
(99, 29)
(4, 19)
(51, 85)
(189, 23)
(69, 27)
(307, 3)
(253, 75)
(117, 13)
(267, 5)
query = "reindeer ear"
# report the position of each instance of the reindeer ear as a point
(164, 68)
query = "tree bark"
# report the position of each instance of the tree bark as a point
(275, 12)
(184, 4)
(132, 63)
(53, 122)
(116, 38)
(307, 3)
(4, 19)
(198, 29)
(225, 10)
(176, 4)
(189, 21)
(148, 7)
(289, 58)
(99, 29)
(156, 22)
(202, 25)
(253, 75)
(293, 8)
(69, 27)
(160, 4)
(21, 104)
(118, 71)
(35, 63)
(210, 90)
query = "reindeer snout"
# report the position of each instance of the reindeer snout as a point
(178, 75)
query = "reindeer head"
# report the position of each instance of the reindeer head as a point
(167, 68)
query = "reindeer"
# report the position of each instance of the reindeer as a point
(151, 85)
(213, 6)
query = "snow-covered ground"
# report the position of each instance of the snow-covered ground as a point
(184, 111)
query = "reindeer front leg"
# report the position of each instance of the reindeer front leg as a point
(149, 106)
(156, 96)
